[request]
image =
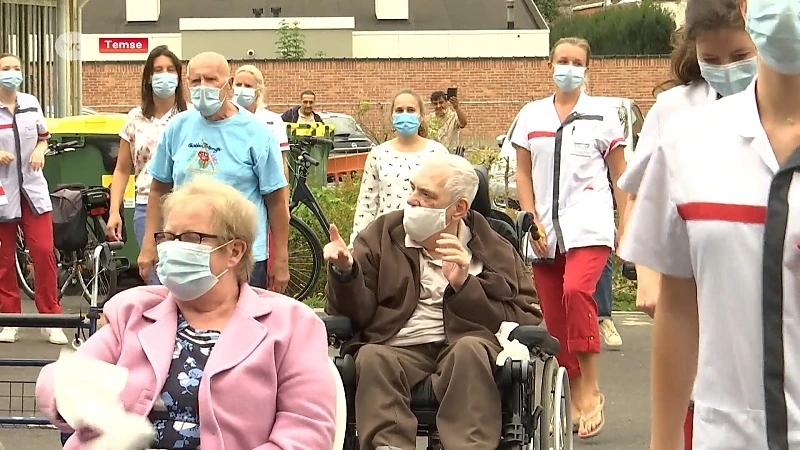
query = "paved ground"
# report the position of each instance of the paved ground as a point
(624, 378)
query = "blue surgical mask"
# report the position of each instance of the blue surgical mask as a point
(774, 26)
(10, 79)
(406, 124)
(185, 268)
(206, 99)
(164, 84)
(568, 77)
(731, 78)
(244, 96)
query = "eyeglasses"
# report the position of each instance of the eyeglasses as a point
(190, 236)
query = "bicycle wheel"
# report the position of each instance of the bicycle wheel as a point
(305, 259)
(24, 266)
(107, 277)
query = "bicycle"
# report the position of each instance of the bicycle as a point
(303, 273)
(18, 395)
(76, 269)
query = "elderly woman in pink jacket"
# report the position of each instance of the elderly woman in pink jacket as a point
(211, 360)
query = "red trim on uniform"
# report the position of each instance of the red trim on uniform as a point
(2, 191)
(723, 212)
(615, 143)
(284, 144)
(541, 134)
(688, 429)
(44, 135)
(6, 127)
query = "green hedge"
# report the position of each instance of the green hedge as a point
(644, 29)
(339, 204)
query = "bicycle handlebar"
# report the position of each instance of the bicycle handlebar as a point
(315, 140)
(60, 147)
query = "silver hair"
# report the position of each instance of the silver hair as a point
(462, 181)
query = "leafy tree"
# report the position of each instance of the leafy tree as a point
(291, 42)
(550, 9)
(644, 29)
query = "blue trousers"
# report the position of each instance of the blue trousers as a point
(603, 294)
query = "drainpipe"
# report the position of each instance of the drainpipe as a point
(62, 64)
(510, 14)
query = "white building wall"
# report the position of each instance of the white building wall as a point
(366, 44)
(452, 44)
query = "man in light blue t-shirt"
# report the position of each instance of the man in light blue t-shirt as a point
(230, 144)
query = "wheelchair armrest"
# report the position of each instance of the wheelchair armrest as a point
(338, 327)
(533, 336)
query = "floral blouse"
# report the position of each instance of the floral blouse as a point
(176, 417)
(143, 135)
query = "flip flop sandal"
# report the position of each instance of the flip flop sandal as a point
(597, 411)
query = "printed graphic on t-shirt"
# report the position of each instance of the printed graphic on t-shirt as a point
(204, 159)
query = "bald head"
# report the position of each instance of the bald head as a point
(210, 61)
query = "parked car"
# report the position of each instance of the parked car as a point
(502, 175)
(348, 135)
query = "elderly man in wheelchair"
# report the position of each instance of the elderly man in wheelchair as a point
(419, 302)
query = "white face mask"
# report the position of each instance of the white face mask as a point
(421, 223)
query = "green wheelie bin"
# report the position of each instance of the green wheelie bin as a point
(317, 176)
(92, 162)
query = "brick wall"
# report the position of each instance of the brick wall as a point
(491, 90)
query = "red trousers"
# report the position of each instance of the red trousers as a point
(566, 295)
(38, 231)
(688, 429)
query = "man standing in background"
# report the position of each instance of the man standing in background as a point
(445, 123)
(305, 112)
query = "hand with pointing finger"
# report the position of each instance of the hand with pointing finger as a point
(336, 252)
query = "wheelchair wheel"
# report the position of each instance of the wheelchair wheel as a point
(562, 416)
(555, 420)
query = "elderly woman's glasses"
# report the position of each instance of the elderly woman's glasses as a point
(190, 236)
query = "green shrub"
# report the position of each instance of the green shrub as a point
(339, 205)
(644, 29)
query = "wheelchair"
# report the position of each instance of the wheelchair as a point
(535, 413)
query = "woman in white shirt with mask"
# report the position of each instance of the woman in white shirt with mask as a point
(715, 57)
(567, 144)
(717, 215)
(249, 93)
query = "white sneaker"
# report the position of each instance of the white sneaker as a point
(610, 334)
(55, 336)
(8, 335)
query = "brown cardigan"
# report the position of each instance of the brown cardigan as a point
(382, 291)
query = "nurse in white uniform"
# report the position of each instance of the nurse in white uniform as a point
(718, 214)
(714, 58)
(566, 146)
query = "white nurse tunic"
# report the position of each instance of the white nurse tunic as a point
(715, 206)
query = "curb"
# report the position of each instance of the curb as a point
(321, 312)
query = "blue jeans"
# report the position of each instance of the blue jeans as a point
(139, 213)
(602, 293)
(258, 278)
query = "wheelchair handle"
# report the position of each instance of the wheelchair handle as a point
(115, 245)
(629, 270)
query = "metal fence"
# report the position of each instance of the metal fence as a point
(28, 29)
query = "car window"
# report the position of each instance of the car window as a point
(345, 126)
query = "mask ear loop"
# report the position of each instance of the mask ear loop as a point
(213, 250)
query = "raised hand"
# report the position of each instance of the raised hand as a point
(336, 252)
(455, 259)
